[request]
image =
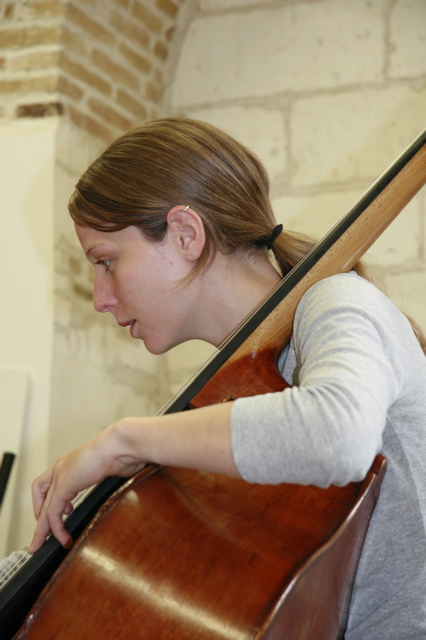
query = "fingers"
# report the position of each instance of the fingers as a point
(83, 467)
(50, 520)
(68, 509)
(44, 529)
(39, 489)
(49, 507)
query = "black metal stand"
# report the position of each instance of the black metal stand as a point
(5, 471)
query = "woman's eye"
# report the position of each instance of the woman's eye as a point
(104, 263)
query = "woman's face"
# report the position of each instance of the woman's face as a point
(135, 279)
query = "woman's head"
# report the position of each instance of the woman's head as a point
(177, 161)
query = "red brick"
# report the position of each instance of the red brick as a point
(9, 11)
(25, 85)
(114, 70)
(130, 104)
(68, 88)
(90, 26)
(168, 7)
(153, 92)
(24, 37)
(33, 59)
(140, 12)
(44, 9)
(130, 30)
(110, 115)
(74, 41)
(170, 33)
(136, 60)
(90, 125)
(90, 78)
(161, 51)
(39, 110)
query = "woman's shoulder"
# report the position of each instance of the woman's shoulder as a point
(345, 291)
(342, 286)
(358, 304)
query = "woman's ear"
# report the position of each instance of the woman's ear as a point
(186, 230)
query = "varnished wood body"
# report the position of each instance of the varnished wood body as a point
(182, 555)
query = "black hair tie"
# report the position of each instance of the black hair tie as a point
(269, 240)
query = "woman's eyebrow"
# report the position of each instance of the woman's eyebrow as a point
(101, 246)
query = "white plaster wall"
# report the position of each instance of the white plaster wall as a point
(27, 162)
(328, 93)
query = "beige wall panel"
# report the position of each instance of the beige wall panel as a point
(353, 136)
(301, 47)
(408, 39)
(260, 129)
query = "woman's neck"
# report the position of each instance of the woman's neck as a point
(231, 288)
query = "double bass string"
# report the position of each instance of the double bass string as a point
(14, 562)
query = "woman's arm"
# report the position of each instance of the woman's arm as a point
(197, 439)
(348, 370)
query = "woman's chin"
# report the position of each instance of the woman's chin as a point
(156, 348)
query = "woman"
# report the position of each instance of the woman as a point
(175, 218)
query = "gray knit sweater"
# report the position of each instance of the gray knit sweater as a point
(358, 381)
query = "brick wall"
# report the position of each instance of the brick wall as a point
(100, 62)
(30, 43)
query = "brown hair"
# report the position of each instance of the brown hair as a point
(176, 161)
(179, 161)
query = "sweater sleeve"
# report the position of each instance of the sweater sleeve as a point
(326, 428)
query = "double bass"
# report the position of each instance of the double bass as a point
(181, 554)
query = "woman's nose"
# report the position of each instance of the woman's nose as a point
(103, 297)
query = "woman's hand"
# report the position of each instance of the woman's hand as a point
(196, 439)
(54, 490)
